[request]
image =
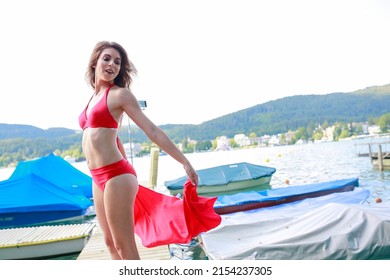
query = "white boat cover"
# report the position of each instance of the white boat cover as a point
(336, 226)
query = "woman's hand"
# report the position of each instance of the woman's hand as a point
(191, 173)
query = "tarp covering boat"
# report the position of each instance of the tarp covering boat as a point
(31, 200)
(251, 200)
(335, 226)
(224, 175)
(57, 171)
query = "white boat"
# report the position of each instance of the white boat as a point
(42, 242)
(334, 227)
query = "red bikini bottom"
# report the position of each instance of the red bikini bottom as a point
(164, 219)
(102, 174)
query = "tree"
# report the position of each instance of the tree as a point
(233, 143)
(283, 139)
(384, 123)
(344, 133)
(318, 135)
(301, 133)
(203, 145)
(215, 143)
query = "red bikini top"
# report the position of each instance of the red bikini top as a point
(99, 116)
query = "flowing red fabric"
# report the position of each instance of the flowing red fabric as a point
(162, 219)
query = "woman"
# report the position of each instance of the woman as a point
(115, 184)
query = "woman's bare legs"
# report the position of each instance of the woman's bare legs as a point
(98, 198)
(115, 212)
(119, 197)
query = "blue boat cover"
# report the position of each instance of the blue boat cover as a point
(224, 174)
(32, 193)
(281, 193)
(57, 171)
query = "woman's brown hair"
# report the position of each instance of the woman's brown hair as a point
(127, 69)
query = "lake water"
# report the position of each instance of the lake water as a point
(298, 164)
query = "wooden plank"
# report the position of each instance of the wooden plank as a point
(97, 250)
(368, 143)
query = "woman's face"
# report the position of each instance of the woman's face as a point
(108, 65)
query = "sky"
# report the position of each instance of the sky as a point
(196, 60)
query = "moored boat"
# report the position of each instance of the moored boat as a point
(43, 241)
(32, 200)
(226, 179)
(335, 227)
(252, 200)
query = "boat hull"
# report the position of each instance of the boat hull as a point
(43, 241)
(35, 218)
(230, 188)
(253, 200)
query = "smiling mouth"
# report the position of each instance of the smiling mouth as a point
(110, 71)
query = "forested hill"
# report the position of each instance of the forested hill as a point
(10, 131)
(290, 113)
(273, 117)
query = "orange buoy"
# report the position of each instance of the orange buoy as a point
(378, 200)
(287, 181)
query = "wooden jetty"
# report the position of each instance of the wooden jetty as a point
(381, 159)
(378, 157)
(96, 249)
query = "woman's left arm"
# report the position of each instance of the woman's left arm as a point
(157, 135)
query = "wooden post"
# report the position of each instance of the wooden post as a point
(380, 157)
(370, 153)
(154, 153)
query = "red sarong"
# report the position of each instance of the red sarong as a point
(162, 219)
